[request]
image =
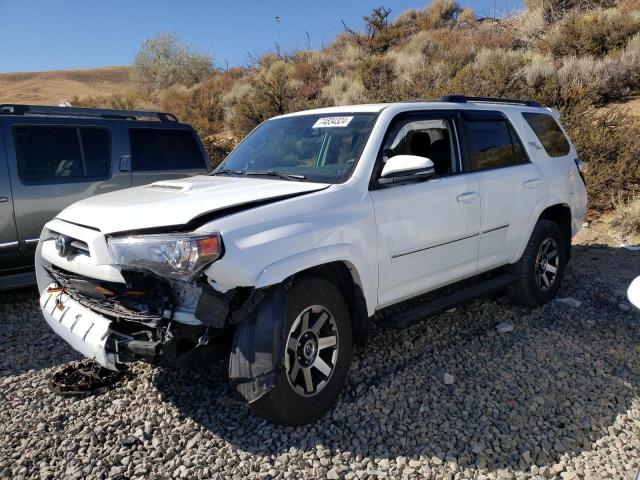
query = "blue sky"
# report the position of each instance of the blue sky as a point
(53, 35)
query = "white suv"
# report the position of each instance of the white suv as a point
(317, 224)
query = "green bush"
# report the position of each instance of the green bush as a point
(164, 60)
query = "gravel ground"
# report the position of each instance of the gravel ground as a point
(555, 397)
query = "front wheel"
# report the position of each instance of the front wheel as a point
(317, 356)
(541, 267)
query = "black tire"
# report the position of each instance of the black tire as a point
(531, 288)
(283, 404)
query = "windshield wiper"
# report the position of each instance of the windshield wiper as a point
(226, 171)
(273, 173)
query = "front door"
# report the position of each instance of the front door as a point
(9, 247)
(427, 230)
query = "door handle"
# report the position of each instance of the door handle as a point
(531, 183)
(125, 163)
(4, 199)
(468, 197)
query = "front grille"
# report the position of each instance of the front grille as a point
(143, 302)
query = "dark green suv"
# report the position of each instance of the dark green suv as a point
(51, 157)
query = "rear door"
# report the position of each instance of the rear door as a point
(164, 153)
(52, 165)
(510, 185)
(9, 247)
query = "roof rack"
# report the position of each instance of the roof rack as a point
(12, 109)
(509, 101)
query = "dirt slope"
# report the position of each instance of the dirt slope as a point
(48, 88)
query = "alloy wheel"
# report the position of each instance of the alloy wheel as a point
(547, 264)
(312, 350)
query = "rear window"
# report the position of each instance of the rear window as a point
(155, 149)
(493, 145)
(59, 153)
(549, 133)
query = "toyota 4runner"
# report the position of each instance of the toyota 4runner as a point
(318, 224)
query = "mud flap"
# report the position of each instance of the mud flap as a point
(257, 351)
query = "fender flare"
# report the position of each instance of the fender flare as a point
(362, 274)
(541, 206)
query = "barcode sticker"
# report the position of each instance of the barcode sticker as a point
(330, 122)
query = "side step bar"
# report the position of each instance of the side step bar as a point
(17, 280)
(406, 318)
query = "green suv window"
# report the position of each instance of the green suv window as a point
(55, 153)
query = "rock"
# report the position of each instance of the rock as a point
(333, 474)
(545, 471)
(504, 327)
(572, 302)
(448, 379)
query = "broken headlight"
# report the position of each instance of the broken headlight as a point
(179, 256)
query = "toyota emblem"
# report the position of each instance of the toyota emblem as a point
(62, 245)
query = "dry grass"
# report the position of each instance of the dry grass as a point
(48, 88)
(625, 218)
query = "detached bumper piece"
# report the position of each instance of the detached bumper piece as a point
(84, 377)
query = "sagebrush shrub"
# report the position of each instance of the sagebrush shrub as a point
(626, 214)
(594, 32)
(607, 141)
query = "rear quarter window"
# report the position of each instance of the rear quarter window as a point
(154, 149)
(549, 133)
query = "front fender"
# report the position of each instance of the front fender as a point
(344, 252)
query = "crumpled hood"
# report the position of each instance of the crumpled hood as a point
(176, 202)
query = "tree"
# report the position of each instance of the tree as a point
(164, 60)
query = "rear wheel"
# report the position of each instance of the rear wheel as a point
(317, 356)
(541, 267)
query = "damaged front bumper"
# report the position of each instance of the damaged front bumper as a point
(113, 343)
(146, 319)
(86, 331)
(153, 320)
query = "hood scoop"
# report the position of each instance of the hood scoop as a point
(176, 187)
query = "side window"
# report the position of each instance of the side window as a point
(549, 133)
(429, 138)
(96, 145)
(164, 149)
(54, 153)
(493, 144)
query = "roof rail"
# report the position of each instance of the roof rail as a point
(510, 101)
(12, 109)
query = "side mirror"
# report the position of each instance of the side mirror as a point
(403, 168)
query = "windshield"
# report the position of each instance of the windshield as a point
(321, 148)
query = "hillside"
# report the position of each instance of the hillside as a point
(48, 88)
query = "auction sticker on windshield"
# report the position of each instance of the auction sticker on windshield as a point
(328, 122)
